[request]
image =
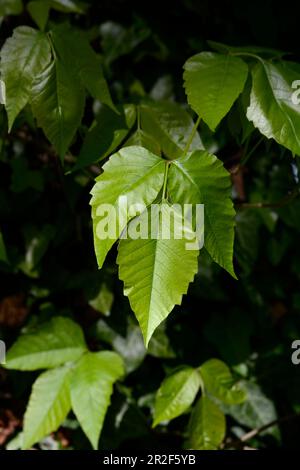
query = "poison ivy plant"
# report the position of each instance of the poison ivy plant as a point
(29, 51)
(271, 107)
(212, 83)
(141, 177)
(78, 379)
(149, 157)
(44, 78)
(207, 427)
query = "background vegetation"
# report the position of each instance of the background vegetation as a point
(47, 263)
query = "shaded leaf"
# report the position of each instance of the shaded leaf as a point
(200, 178)
(91, 388)
(24, 56)
(106, 133)
(256, 411)
(39, 12)
(176, 393)
(170, 125)
(53, 343)
(3, 254)
(271, 107)
(68, 6)
(219, 382)
(212, 83)
(85, 61)
(207, 426)
(148, 265)
(49, 404)
(134, 173)
(103, 301)
(145, 140)
(11, 7)
(57, 103)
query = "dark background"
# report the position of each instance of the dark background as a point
(249, 323)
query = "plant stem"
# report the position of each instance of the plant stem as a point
(247, 54)
(271, 205)
(192, 135)
(138, 116)
(164, 192)
(246, 157)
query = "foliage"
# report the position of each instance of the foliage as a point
(141, 341)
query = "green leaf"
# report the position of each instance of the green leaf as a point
(103, 300)
(176, 394)
(271, 107)
(170, 125)
(58, 100)
(39, 12)
(24, 56)
(257, 411)
(49, 404)
(133, 172)
(156, 271)
(143, 139)
(106, 134)
(212, 83)
(68, 6)
(3, 254)
(85, 61)
(130, 347)
(207, 426)
(160, 345)
(91, 388)
(11, 7)
(219, 382)
(49, 345)
(200, 178)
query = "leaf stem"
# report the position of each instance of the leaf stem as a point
(138, 116)
(164, 191)
(246, 157)
(271, 205)
(247, 54)
(192, 135)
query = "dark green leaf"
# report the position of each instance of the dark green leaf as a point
(176, 393)
(170, 125)
(24, 56)
(219, 382)
(271, 107)
(207, 426)
(212, 83)
(58, 100)
(11, 7)
(200, 178)
(53, 343)
(39, 12)
(106, 134)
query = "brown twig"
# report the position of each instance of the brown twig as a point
(238, 443)
(258, 205)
